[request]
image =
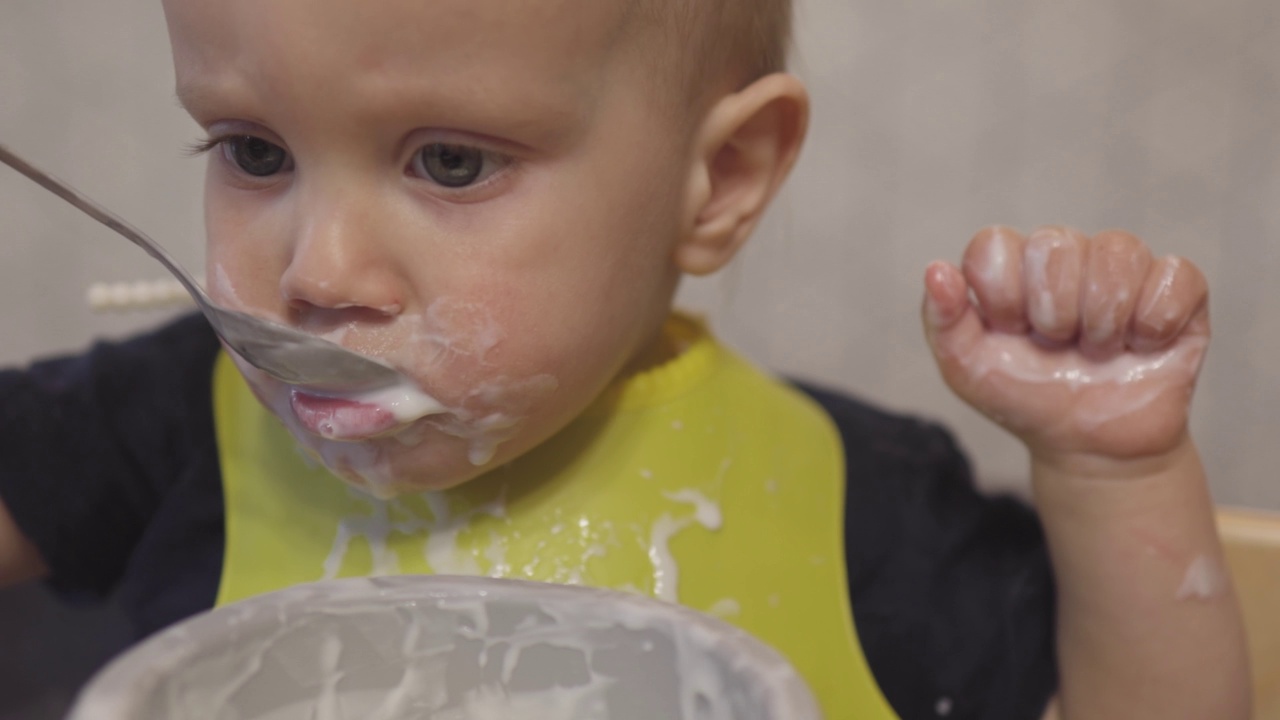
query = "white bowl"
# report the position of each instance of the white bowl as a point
(448, 648)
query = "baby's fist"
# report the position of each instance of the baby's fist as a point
(1077, 345)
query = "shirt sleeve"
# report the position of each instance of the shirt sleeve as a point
(952, 590)
(90, 444)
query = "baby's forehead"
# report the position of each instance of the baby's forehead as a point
(680, 51)
(492, 45)
(390, 28)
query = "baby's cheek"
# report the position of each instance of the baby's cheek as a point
(447, 347)
(222, 288)
(492, 379)
(495, 412)
(237, 285)
(473, 357)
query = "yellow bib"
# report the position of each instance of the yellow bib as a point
(701, 481)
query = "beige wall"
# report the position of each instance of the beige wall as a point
(932, 119)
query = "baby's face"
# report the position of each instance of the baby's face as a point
(482, 193)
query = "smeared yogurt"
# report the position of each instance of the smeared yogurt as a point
(1205, 579)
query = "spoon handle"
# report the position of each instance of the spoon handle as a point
(102, 215)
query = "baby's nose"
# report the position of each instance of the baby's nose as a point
(338, 262)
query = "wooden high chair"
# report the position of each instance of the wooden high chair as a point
(1252, 542)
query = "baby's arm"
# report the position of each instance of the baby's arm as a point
(19, 559)
(1087, 349)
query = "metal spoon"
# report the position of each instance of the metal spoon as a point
(280, 351)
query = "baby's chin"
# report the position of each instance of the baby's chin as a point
(405, 459)
(391, 466)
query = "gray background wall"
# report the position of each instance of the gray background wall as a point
(932, 118)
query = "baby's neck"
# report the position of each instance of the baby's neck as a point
(664, 348)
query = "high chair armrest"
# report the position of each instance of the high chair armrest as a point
(1251, 539)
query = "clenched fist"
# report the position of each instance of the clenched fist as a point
(1080, 346)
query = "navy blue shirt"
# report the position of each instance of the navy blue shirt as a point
(110, 467)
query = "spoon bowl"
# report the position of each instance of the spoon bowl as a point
(282, 352)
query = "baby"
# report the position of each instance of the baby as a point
(499, 199)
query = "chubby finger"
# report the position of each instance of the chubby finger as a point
(1052, 266)
(945, 295)
(951, 323)
(1115, 271)
(1175, 295)
(992, 266)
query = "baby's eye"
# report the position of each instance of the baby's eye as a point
(255, 155)
(455, 166)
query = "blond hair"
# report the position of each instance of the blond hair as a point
(719, 46)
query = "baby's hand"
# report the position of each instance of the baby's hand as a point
(1082, 347)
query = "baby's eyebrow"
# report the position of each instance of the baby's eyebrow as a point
(194, 96)
(543, 120)
(187, 96)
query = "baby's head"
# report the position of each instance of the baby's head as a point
(497, 197)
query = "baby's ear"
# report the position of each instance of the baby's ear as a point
(745, 148)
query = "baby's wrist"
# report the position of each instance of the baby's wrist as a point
(1082, 490)
(1088, 466)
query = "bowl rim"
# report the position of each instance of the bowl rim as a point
(120, 689)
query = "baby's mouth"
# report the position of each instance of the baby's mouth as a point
(352, 417)
(342, 419)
